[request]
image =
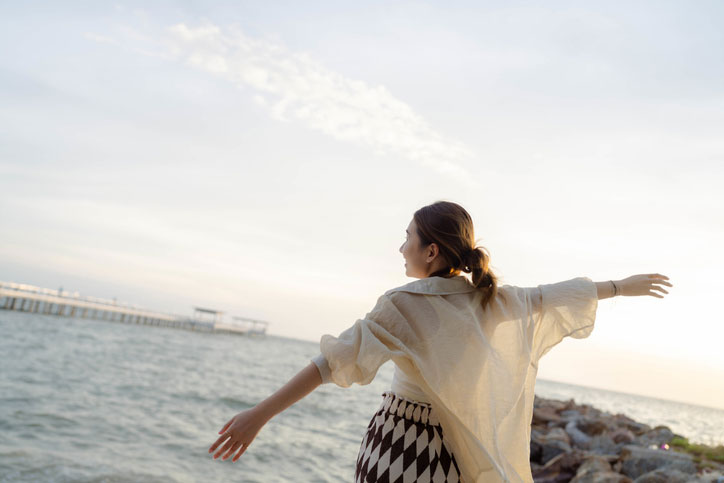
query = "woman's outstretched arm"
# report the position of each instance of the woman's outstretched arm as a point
(635, 285)
(306, 381)
(243, 428)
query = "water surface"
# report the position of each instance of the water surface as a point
(95, 401)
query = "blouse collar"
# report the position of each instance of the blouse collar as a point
(436, 286)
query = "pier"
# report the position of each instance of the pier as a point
(244, 325)
(38, 300)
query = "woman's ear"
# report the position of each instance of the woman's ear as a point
(432, 251)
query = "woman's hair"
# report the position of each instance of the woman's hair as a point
(449, 226)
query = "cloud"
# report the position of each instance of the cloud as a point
(134, 41)
(295, 87)
(101, 39)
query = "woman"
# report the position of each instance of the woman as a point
(466, 356)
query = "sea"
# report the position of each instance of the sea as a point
(96, 401)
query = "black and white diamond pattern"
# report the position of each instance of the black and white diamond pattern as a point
(404, 444)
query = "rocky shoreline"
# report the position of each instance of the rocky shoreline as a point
(582, 444)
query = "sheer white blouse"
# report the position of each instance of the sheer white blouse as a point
(476, 366)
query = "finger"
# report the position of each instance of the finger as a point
(658, 275)
(241, 452)
(224, 448)
(218, 442)
(231, 450)
(656, 287)
(226, 426)
(656, 295)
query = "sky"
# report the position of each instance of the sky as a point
(265, 159)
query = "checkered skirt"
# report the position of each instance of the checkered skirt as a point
(404, 444)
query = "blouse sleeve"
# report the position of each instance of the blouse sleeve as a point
(563, 309)
(355, 355)
(323, 367)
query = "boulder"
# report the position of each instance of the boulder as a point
(570, 414)
(592, 427)
(603, 444)
(593, 463)
(546, 446)
(577, 437)
(637, 461)
(622, 435)
(657, 436)
(663, 475)
(602, 477)
(553, 448)
(591, 468)
(621, 420)
(542, 416)
(708, 477)
(561, 468)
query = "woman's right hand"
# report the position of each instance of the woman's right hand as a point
(239, 432)
(644, 284)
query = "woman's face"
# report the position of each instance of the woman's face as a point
(419, 262)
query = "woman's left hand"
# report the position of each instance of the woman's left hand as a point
(240, 431)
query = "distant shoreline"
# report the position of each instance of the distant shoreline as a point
(623, 393)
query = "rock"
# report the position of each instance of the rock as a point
(570, 414)
(663, 475)
(558, 434)
(541, 416)
(603, 444)
(577, 437)
(635, 427)
(592, 427)
(602, 477)
(597, 463)
(546, 446)
(561, 468)
(637, 461)
(551, 449)
(536, 449)
(593, 464)
(553, 404)
(622, 435)
(658, 436)
(708, 477)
